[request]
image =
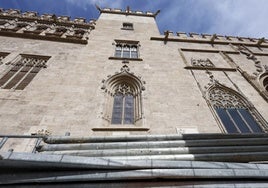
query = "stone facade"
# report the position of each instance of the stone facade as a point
(173, 74)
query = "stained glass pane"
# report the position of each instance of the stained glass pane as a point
(228, 124)
(129, 110)
(250, 121)
(238, 120)
(117, 109)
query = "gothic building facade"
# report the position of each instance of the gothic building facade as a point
(117, 80)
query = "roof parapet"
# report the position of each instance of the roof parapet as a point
(128, 11)
(14, 13)
(209, 38)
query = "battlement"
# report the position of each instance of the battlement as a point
(44, 27)
(127, 12)
(209, 38)
(44, 18)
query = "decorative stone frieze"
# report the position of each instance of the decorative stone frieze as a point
(44, 27)
(201, 62)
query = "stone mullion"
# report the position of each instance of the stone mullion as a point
(14, 75)
(28, 72)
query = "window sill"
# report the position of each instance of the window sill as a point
(131, 29)
(123, 58)
(120, 129)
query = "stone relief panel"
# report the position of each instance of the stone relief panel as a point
(204, 59)
(201, 63)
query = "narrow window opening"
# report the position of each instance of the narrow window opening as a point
(127, 26)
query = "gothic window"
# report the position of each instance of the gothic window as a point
(127, 26)
(233, 111)
(123, 106)
(126, 50)
(123, 95)
(22, 71)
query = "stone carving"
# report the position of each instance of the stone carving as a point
(201, 63)
(123, 89)
(251, 56)
(125, 71)
(42, 132)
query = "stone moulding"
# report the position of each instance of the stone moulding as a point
(42, 37)
(174, 38)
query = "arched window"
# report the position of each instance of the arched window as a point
(123, 98)
(233, 111)
(123, 106)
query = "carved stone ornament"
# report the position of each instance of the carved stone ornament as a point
(201, 63)
(124, 72)
(251, 56)
(123, 89)
(42, 132)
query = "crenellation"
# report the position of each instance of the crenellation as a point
(195, 35)
(117, 10)
(182, 34)
(149, 13)
(79, 20)
(206, 36)
(211, 38)
(44, 27)
(33, 16)
(29, 14)
(128, 11)
(63, 18)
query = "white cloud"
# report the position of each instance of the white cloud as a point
(227, 17)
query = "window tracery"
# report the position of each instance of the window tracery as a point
(22, 71)
(234, 111)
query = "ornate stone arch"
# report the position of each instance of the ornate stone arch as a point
(234, 112)
(263, 79)
(126, 87)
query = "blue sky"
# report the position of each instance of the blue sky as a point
(226, 17)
